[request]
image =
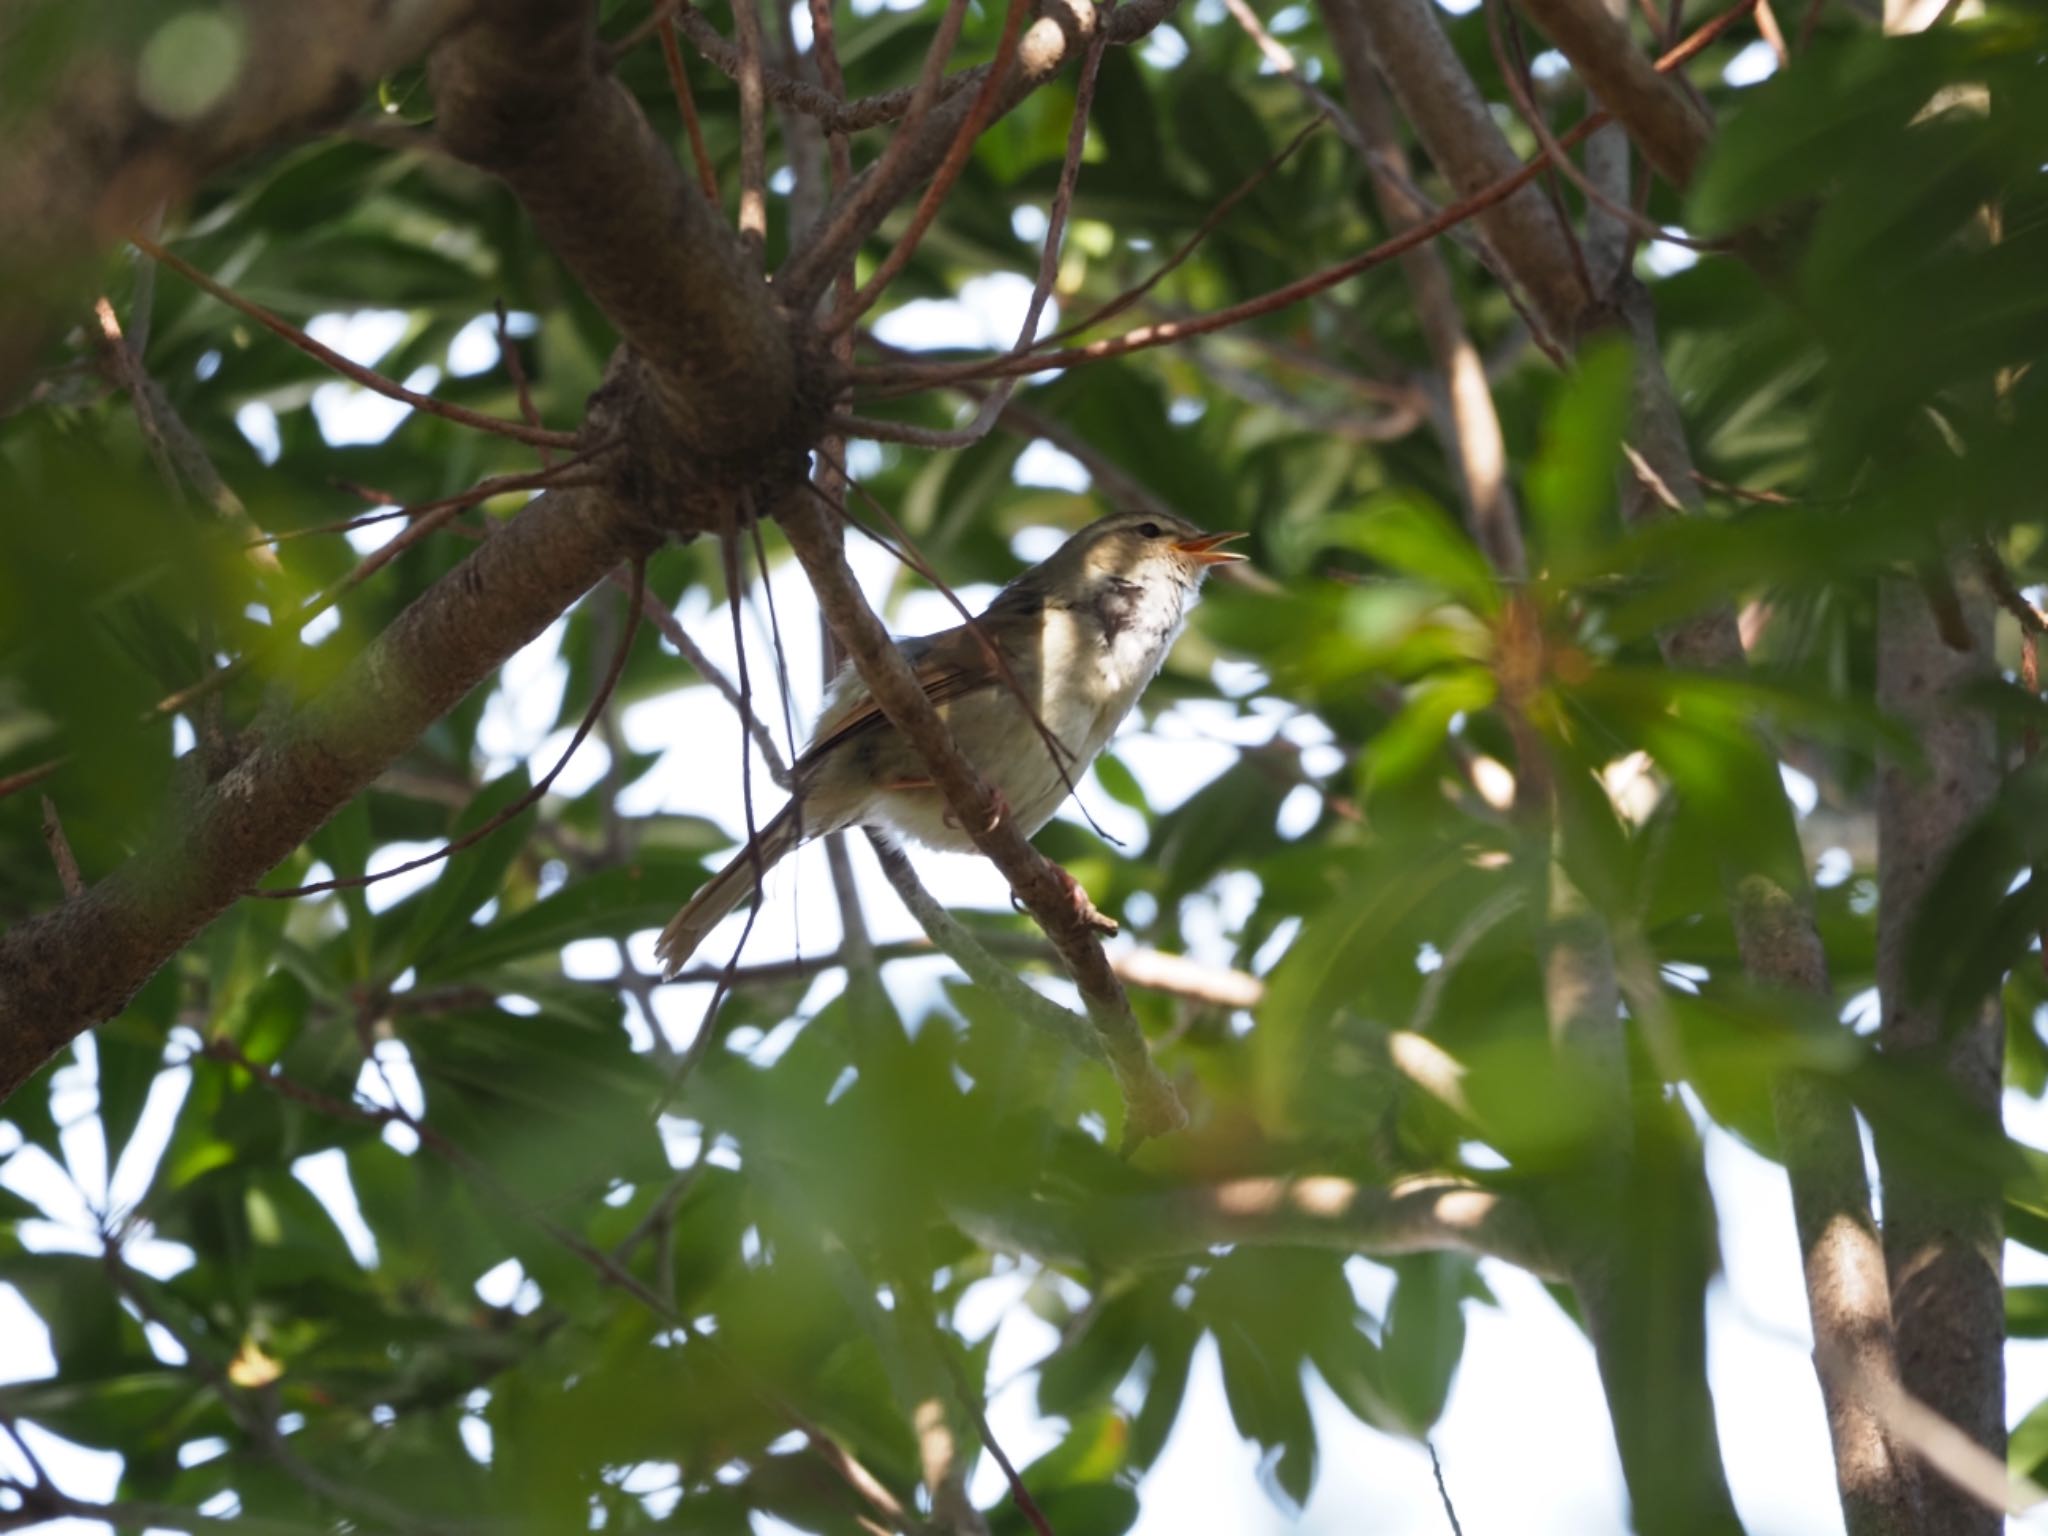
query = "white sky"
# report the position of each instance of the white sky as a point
(1525, 1441)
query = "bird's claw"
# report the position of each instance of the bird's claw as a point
(999, 812)
(1090, 915)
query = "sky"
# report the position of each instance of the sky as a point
(1525, 1442)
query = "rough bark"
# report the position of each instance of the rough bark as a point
(1942, 1239)
(90, 158)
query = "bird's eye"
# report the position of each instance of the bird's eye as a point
(1150, 530)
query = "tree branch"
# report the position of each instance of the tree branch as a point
(1653, 107)
(1847, 1293)
(521, 95)
(982, 968)
(1469, 426)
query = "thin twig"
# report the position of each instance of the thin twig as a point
(966, 951)
(971, 1401)
(1515, 74)
(664, 619)
(179, 459)
(27, 778)
(1210, 221)
(515, 365)
(369, 378)
(1442, 1492)
(686, 103)
(61, 855)
(491, 824)
(825, 52)
(483, 490)
(942, 182)
(753, 226)
(1167, 333)
(1049, 255)
(786, 90)
(869, 199)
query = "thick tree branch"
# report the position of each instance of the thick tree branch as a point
(1654, 108)
(89, 157)
(1848, 1296)
(1406, 40)
(78, 965)
(1153, 1108)
(1418, 1215)
(520, 93)
(1943, 1235)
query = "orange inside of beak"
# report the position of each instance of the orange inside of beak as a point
(1203, 548)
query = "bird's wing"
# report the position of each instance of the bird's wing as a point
(949, 665)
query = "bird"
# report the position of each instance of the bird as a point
(1081, 635)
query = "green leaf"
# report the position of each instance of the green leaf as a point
(1415, 537)
(612, 903)
(1571, 484)
(469, 878)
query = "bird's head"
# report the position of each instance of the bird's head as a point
(1142, 547)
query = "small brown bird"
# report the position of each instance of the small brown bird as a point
(1082, 633)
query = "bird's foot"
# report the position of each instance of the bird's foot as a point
(1090, 915)
(999, 812)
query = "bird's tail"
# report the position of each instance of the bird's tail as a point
(726, 890)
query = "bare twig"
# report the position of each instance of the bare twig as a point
(971, 1401)
(800, 95)
(60, 850)
(1168, 332)
(869, 200)
(686, 103)
(746, 17)
(1515, 76)
(1443, 1493)
(1672, 132)
(946, 932)
(942, 183)
(1049, 256)
(369, 378)
(483, 490)
(508, 349)
(179, 459)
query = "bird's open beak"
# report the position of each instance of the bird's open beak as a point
(1202, 548)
